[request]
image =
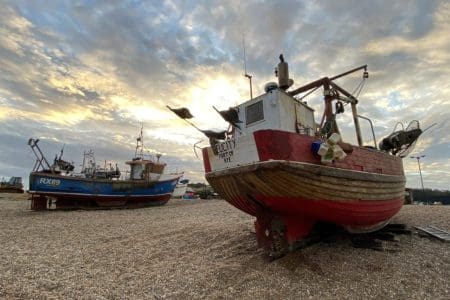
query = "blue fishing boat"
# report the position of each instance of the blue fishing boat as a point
(94, 187)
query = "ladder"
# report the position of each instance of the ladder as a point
(436, 232)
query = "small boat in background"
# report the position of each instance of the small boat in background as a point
(180, 189)
(13, 185)
(96, 187)
(190, 194)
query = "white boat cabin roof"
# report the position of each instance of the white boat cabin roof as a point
(275, 110)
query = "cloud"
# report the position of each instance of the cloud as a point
(89, 73)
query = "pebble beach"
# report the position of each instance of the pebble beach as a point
(204, 249)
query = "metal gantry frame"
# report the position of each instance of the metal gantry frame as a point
(332, 92)
(41, 161)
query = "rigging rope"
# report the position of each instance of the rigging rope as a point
(359, 88)
(313, 90)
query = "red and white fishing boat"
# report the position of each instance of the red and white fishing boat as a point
(277, 164)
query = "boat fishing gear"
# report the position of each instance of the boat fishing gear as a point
(330, 151)
(401, 142)
(339, 106)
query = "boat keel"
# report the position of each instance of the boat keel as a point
(280, 234)
(45, 202)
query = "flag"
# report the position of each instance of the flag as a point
(221, 135)
(230, 115)
(183, 112)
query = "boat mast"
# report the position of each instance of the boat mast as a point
(139, 153)
(353, 101)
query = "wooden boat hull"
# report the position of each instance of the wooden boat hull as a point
(11, 190)
(298, 195)
(289, 191)
(70, 192)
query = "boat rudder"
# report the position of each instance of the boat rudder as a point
(280, 234)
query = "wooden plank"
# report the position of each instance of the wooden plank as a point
(306, 168)
(278, 182)
(436, 232)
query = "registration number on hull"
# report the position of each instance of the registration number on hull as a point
(50, 181)
(225, 150)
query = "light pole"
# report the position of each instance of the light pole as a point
(420, 171)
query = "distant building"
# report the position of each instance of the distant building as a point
(409, 198)
(427, 196)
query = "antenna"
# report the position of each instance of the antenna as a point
(140, 145)
(245, 58)
(245, 67)
(62, 151)
(429, 127)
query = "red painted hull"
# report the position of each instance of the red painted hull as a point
(43, 201)
(353, 215)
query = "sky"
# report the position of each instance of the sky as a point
(88, 74)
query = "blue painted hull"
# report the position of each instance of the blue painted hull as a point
(73, 192)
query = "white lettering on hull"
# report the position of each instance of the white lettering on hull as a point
(50, 181)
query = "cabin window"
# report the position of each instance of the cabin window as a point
(254, 113)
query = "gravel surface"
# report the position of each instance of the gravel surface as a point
(203, 249)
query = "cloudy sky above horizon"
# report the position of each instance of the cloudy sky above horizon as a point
(87, 74)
